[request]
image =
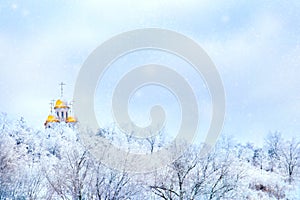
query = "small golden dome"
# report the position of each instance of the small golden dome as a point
(71, 119)
(51, 118)
(60, 104)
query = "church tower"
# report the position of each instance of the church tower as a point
(62, 112)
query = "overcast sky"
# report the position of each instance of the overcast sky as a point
(254, 45)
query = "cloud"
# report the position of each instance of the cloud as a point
(259, 65)
(253, 45)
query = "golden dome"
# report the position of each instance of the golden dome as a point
(51, 118)
(71, 119)
(60, 104)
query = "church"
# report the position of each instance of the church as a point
(60, 112)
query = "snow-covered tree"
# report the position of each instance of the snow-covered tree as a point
(290, 155)
(273, 145)
(54, 164)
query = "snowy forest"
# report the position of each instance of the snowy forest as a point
(53, 164)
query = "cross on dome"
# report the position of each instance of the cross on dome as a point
(62, 89)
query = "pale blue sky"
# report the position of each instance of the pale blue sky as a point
(254, 44)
